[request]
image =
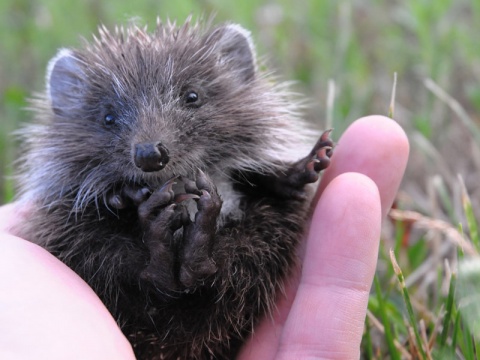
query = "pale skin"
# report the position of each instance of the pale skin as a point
(48, 312)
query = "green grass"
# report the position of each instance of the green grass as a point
(446, 327)
(433, 48)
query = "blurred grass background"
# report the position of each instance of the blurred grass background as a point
(358, 44)
(434, 48)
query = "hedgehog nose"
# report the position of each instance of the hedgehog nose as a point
(150, 156)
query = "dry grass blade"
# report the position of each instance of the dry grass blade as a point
(377, 324)
(391, 109)
(434, 156)
(455, 106)
(428, 223)
(468, 209)
(330, 104)
(423, 332)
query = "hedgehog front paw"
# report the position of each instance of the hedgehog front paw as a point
(196, 260)
(127, 196)
(160, 217)
(306, 170)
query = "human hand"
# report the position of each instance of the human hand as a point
(46, 310)
(323, 314)
(51, 313)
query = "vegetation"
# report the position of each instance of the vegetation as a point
(426, 306)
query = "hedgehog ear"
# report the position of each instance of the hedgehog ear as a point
(66, 85)
(236, 51)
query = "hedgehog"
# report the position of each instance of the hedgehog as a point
(173, 172)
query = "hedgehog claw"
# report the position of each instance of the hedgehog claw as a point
(183, 197)
(198, 237)
(168, 186)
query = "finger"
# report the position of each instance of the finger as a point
(266, 337)
(327, 316)
(375, 146)
(65, 320)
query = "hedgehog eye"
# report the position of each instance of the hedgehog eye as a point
(192, 99)
(109, 119)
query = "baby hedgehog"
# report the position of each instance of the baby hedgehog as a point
(171, 174)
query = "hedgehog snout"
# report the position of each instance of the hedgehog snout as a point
(150, 157)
